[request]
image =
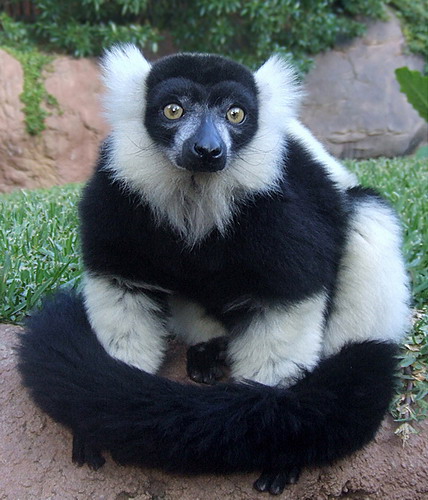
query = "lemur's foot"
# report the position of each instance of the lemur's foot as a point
(275, 482)
(83, 453)
(205, 361)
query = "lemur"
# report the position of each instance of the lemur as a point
(213, 213)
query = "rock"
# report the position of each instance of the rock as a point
(354, 104)
(67, 149)
(35, 459)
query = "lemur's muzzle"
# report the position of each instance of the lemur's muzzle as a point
(205, 150)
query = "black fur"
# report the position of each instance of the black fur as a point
(148, 420)
(282, 259)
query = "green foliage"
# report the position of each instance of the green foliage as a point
(422, 152)
(34, 96)
(13, 34)
(82, 27)
(15, 39)
(411, 402)
(415, 86)
(248, 30)
(414, 17)
(251, 30)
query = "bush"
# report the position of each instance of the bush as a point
(248, 30)
(414, 17)
(80, 27)
(252, 30)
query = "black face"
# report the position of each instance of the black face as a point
(201, 109)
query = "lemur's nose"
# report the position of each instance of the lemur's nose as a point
(208, 151)
(207, 143)
(205, 151)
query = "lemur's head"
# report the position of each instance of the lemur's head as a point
(201, 110)
(196, 127)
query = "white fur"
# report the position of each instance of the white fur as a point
(191, 323)
(372, 299)
(337, 172)
(124, 73)
(141, 286)
(126, 323)
(279, 343)
(193, 204)
(279, 92)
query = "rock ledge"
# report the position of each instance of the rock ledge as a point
(35, 460)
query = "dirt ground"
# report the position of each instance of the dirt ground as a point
(35, 459)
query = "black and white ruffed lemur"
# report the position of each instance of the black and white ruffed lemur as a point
(213, 213)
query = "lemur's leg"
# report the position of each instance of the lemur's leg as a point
(371, 301)
(275, 346)
(276, 343)
(206, 336)
(128, 321)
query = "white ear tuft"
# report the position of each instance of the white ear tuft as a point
(124, 72)
(280, 93)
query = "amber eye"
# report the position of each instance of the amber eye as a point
(173, 111)
(235, 115)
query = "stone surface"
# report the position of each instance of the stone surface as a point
(66, 151)
(35, 460)
(354, 104)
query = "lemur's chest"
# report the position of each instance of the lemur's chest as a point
(283, 247)
(269, 251)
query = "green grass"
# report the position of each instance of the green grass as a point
(39, 247)
(39, 251)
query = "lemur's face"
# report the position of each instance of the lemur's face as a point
(201, 110)
(196, 130)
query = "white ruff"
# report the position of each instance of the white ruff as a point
(193, 203)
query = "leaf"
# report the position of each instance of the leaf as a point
(405, 431)
(415, 86)
(408, 360)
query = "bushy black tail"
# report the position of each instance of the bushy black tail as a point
(149, 420)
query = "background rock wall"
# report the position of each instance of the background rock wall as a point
(354, 104)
